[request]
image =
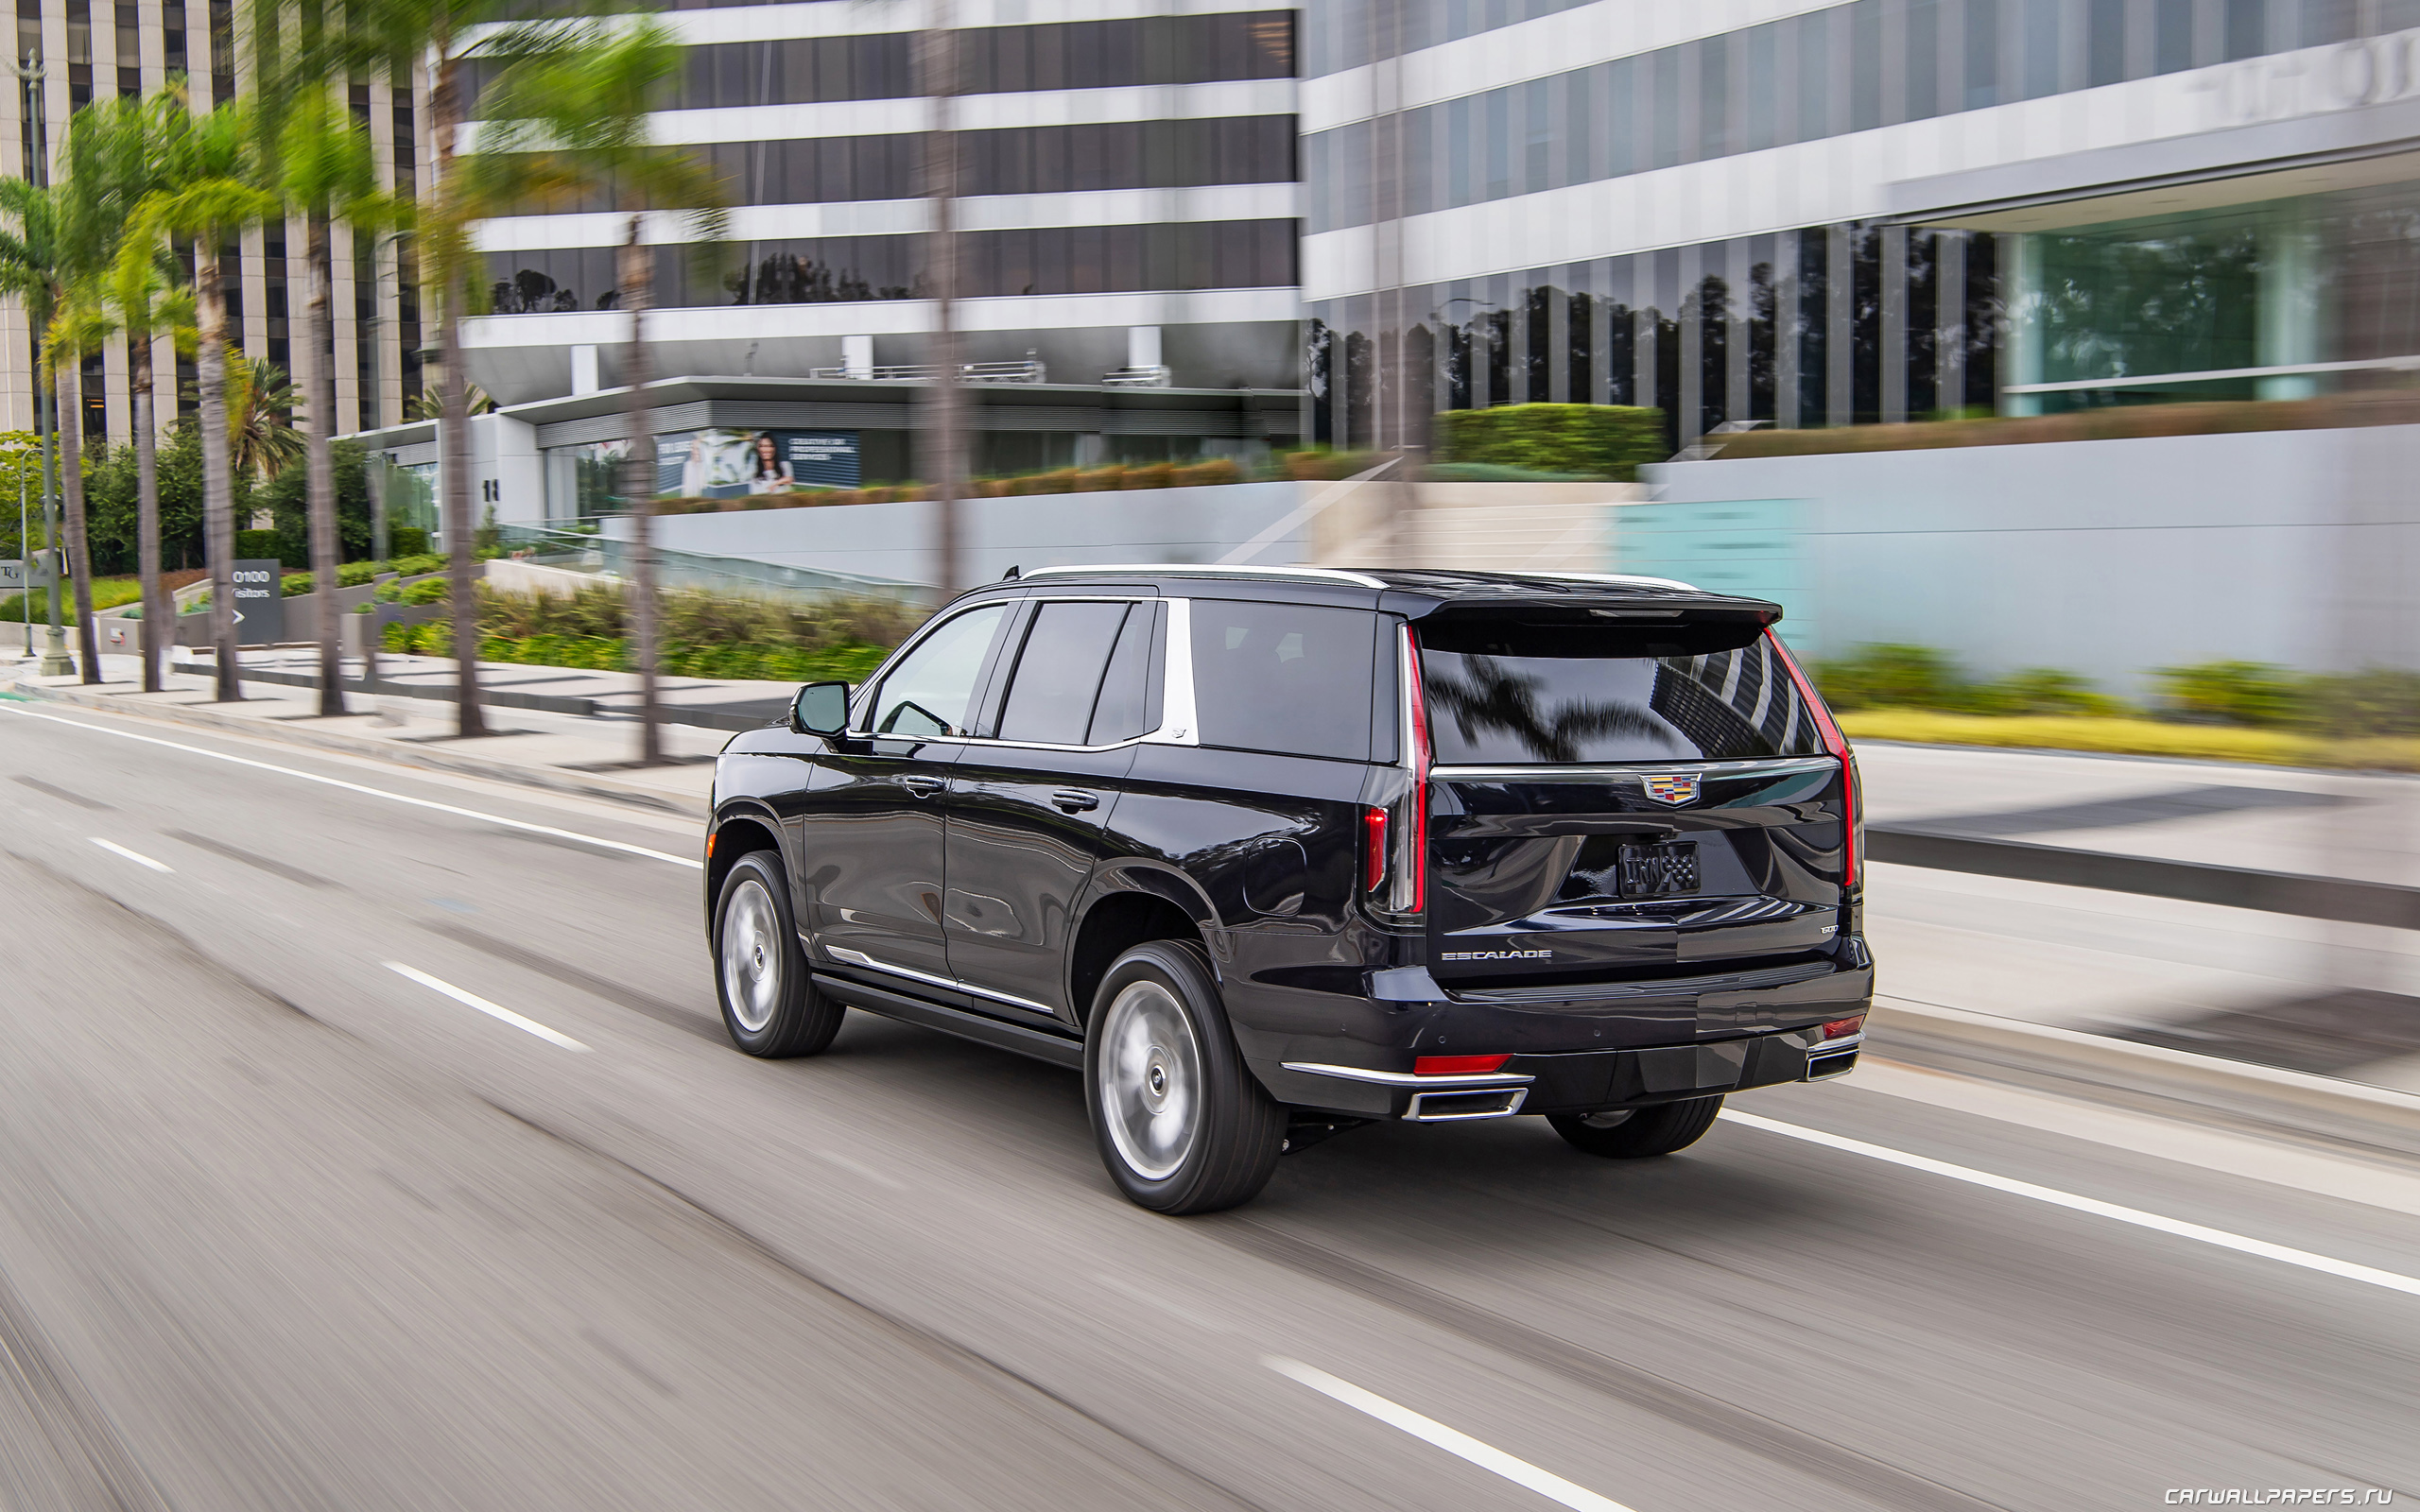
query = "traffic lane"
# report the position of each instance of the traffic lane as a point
(1895, 1311)
(1078, 1146)
(269, 1266)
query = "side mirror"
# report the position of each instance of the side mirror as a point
(821, 709)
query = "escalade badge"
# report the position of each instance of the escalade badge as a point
(1676, 788)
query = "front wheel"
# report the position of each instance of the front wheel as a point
(768, 1004)
(1628, 1134)
(1183, 1125)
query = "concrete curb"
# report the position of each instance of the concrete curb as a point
(555, 778)
(1979, 1043)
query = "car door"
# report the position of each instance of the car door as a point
(1028, 806)
(870, 840)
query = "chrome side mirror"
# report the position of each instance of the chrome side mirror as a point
(821, 709)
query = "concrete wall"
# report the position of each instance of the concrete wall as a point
(893, 541)
(2102, 557)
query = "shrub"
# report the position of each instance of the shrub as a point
(1890, 677)
(1213, 472)
(1600, 441)
(408, 541)
(1149, 475)
(2231, 693)
(1321, 466)
(2376, 701)
(2043, 690)
(253, 545)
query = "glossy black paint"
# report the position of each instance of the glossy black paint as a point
(987, 883)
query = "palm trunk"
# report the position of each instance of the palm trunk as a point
(944, 460)
(320, 400)
(218, 476)
(453, 425)
(71, 483)
(639, 472)
(159, 621)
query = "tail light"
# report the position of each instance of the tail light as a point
(1409, 894)
(1852, 793)
(1843, 1028)
(1374, 849)
(1456, 1065)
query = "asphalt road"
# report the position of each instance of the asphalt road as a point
(282, 1226)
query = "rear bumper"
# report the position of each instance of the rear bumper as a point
(1586, 1082)
(1659, 1047)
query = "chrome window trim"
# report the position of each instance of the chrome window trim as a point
(1762, 765)
(1403, 1078)
(1177, 569)
(1178, 726)
(839, 953)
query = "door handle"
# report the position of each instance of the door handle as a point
(922, 786)
(1075, 801)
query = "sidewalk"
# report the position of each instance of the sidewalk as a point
(593, 755)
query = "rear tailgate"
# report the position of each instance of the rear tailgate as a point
(1619, 801)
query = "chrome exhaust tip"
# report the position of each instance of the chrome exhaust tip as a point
(1823, 1066)
(1461, 1104)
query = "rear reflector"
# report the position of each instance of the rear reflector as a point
(1374, 849)
(1458, 1065)
(1843, 1028)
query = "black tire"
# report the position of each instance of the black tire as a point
(1657, 1130)
(778, 1011)
(1158, 1008)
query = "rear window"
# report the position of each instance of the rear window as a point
(1287, 678)
(1508, 694)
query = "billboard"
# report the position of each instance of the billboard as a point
(725, 464)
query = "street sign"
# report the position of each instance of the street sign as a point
(260, 611)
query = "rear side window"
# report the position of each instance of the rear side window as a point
(1058, 679)
(1508, 694)
(1287, 678)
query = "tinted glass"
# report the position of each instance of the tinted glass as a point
(1058, 677)
(1510, 695)
(929, 691)
(1287, 677)
(1127, 708)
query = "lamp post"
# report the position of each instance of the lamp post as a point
(54, 654)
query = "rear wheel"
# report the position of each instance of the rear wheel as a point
(1183, 1125)
(1627, 1133)
(768, 1004)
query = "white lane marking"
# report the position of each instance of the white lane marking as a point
(1486, 1456)
(472, 1000)
(137, 857)
(374, 792)
(2219, 1237)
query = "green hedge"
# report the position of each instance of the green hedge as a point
(769, 664)
(1598, 441)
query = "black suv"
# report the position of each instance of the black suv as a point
(1270, 852)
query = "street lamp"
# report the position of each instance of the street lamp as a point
(54, 655)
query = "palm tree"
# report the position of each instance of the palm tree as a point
(429, 404)
(328, 174)
(30, 263)
(261, 435)
(575, 121)
(80, 325)
(146, 302)
(210, 192)
(314, 44)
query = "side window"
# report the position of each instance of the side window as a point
(1059, 673)
(1287, 678)
(1128, 707)
(929, 694)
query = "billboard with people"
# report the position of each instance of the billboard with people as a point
(725, 464)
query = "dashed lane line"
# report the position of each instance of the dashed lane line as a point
(493, 1010)
(137, 857)
(1461, 1445)
(2324, 1264)
(457, 810)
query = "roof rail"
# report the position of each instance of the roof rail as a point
(1185, 569)
(1615, 577)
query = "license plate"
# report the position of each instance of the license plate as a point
(1655, 870)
